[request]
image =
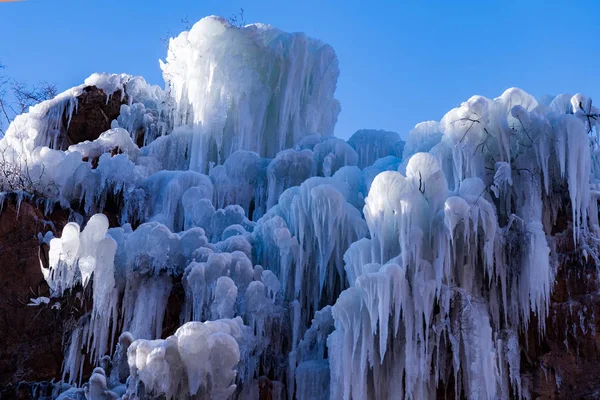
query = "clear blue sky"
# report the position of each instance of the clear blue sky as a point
(401, 62)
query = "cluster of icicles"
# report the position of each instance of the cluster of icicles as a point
(312, 267)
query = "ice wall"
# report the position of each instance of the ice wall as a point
(354, 283)
(301, 265)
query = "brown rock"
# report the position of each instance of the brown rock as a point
(564, 363)
(93, 115)
(31, 338)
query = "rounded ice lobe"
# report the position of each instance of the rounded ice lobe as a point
(233, 230)
(456, 210)
(225, 297)
(96, 228)
(422, 138)
(371, 145)
(472, 188)
(332, 154)
(425, 171)
(199, 345)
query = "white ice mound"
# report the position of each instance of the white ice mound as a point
(254, 88)
(200, 359)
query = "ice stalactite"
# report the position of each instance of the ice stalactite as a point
(74, 258)
(41, 126)
(144, 304)
(311, 374)
(311, 227)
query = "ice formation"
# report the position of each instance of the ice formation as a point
(275, 89)
(372, 145)
(301, 265)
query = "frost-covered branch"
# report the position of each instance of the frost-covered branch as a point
(473, 122)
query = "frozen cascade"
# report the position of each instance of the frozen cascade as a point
(425, 280)
(307, 234)
(281, 92)
(443, 232)
(43, 124)
(74, 258)
(303, 265)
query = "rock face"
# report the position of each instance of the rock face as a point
(563, 364)
(93, 115)
(31, 339)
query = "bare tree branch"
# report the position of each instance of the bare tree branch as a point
(185, 20)
(16, 97)
(29, 96)
(15, 175)
(238, 19)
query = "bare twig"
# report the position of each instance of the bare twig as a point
(15, 175)
(26, 97)
(238, 19)
(185, 20)
(16, 97)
